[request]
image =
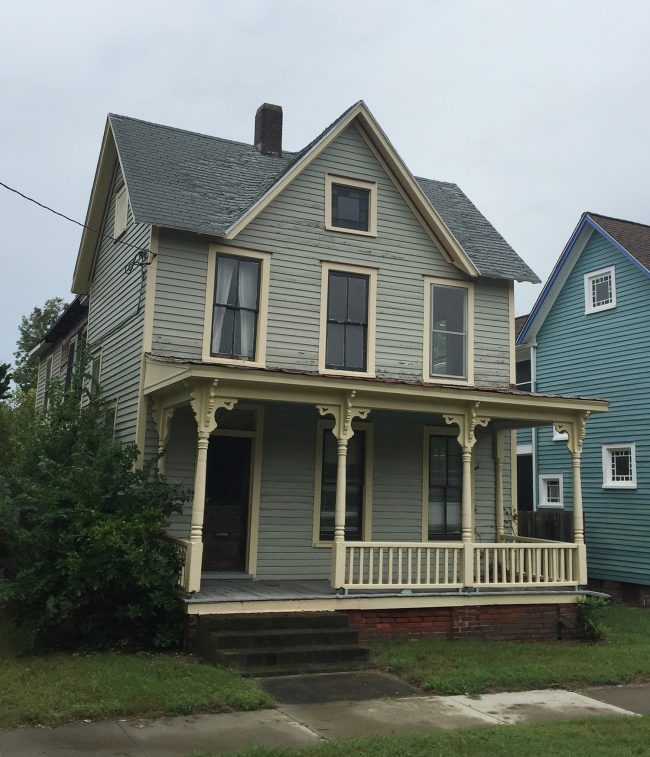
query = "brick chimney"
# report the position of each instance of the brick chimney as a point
(268, 129)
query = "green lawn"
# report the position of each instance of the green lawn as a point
(54, 688)
(475, 667)
(598, 737)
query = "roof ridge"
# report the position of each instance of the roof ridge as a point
(620, 220)
(436, 181)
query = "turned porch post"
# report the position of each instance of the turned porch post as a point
(343, 416)
(467, 423)
(205, 404)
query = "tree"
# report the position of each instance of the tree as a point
(5, 380)
(32, 329)
(87, 566)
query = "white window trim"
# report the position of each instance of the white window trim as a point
(607, 482)
(263, 307)
(371, 273)
(542, 479)
(589, 308)
(366, 526)
(426, 351)
(121, 212)
(559, 436)
(357, 184)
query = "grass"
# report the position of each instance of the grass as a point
(597, 737)
(476, 667)
(56, 688)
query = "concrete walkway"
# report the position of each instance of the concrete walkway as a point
(303, 725)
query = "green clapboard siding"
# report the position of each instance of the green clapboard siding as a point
(604, 354)
(292, 229)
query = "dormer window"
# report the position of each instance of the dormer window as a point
(350, 205)
(600, 290)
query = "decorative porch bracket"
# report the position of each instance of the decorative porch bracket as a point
(205, 402)
(343, 414)
(467, 423)
(162, 416)
(576, 431)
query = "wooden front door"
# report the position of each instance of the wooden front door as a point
(227, 496)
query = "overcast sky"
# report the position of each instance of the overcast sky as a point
(538, 110)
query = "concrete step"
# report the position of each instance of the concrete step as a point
(340, 654)
(275, 620)
(305, 668)
(256, 639)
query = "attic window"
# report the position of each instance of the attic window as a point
(350, 205)
(121, 208)
(600, 290)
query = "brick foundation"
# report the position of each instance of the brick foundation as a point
(632, 595)
(498, 622)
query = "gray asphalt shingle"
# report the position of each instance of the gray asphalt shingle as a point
(183, 180)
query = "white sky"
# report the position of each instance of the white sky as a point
(538, 110)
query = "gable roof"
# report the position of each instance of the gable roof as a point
(207, 185)
(520, 322)
(631, 239)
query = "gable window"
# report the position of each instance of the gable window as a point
(448, 347)
(350, 205)
(551, 490)
(619, 466)
(121, 212)
(600, 290)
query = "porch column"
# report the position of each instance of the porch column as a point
(467, 423)
(499, 446)
(343, 416)
(205, 404)
(576, 434)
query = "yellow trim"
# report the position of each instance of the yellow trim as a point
(371, 186)
(511, 320)
(366, 527)
(427, 432)
(371, 273)
(351, 602)
(263, 307)
(426, 345)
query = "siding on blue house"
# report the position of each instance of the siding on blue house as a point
(604, 354)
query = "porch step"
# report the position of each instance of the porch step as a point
(281, 643)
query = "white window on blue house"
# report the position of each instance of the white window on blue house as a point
(551, 490)
(619, 466)
(600, 290)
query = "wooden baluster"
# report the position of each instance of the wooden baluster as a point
(428, 566)
(390, 565)
(362, 557)
(399, 565)
(371, 565)
(381, 565)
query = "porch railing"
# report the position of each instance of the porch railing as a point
(520, 563)
(183, 546)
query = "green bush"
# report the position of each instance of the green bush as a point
(590, 612)
(87, 566)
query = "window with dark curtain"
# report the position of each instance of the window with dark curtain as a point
(236, 307)
(445, 488)
(347, 321)
(350, 207)
(355, 480)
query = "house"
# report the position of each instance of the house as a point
(322, 345)
(585, 335)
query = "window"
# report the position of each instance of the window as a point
(110, 417)
(48, 378)
(619, 466)
(444, 487)
(350, 205)
(348, 299)
(524, 375)
(448, 346)
(551, 490)
(121, 212)
(600, 290)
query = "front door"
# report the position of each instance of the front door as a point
(227, 496)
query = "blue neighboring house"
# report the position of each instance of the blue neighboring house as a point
(589, 334)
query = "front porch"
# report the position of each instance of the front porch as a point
(385, 567)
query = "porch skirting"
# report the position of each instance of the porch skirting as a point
(531, 622)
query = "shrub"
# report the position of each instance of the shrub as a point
(590, 625)
(87, 565)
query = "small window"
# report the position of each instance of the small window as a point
(619, 466)
(236, 307)
(350, 205)
(448, 331)
(347, 321)
(121, 212)
(524, 376)
(600, 290)
(559, 436)
(48, 378)
(551, 490)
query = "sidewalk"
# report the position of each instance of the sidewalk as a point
(302, 725)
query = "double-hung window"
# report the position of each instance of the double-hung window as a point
(445, 487)
(600, 290)
(235, 308)
(448, 337)
(619, 466)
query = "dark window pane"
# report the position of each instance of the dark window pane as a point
(445, 489)
(358, 299)
(223, 323)
(234, 320)
(523, 372)
(335, 348)
(449, 306)
(448, 354)
(355, 358)
(337, 298)
(350, 207)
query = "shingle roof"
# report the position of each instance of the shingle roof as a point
(194, 182)
(520, 320)
(635, 237)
